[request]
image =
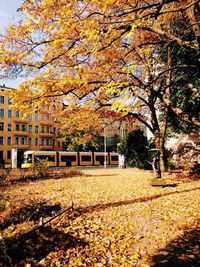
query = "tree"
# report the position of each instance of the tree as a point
(80, 128)
(135, 148)
(105, 53)
(185, 90)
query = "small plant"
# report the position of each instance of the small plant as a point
(42, 166)
(40, 170)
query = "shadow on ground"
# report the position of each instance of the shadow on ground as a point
(35, 246)
(103, 206)
(30, 213)
(181, 252)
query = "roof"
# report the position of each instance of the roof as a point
(5, 88)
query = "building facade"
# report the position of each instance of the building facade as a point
(37, 132)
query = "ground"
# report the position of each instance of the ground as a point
(107, 217)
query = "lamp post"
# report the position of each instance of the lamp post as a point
(105, 166)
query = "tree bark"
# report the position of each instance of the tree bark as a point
(193, 13)
(163, 128)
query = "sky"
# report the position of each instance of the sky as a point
(8, 12)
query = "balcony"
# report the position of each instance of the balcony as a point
(46, 134)
(19, 146)
(20, 120)
(45, 147)
(21, 133)
(47, 122)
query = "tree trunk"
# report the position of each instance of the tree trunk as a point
(157, 157)
(160, 146)
(163, 158)
(193, 14)
(163, 127)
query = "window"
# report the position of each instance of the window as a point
(9, 101)
(86, 158)
(23, 127)
(9, 113)
(1, 112)
(9, 127)
(1, 140)
(30, 141)
(17, 140)
(23, 141)
(41, 157)
(17, 127)
(54, 142)
(36, 129)
(30, 117)
(36, 141)
(54, 130)
(22, 115)
(9, 140)
(100, 158)
(43, 129)
(42, 141)
(30, 128)
(36, 117)
(48, 129)
(17, 114)
(9, 154)
(1, 126)
(68, 158)
(48, 142)
(114, 158)
(1, 99)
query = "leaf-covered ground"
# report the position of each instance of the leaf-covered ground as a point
(118, 219)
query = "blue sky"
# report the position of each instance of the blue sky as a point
(8, 12)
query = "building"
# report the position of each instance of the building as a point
(37, 132)
(116, 127)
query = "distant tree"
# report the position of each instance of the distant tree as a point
(80, 129)
(135, 148)
(185, 79)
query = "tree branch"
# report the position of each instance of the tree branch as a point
(169, 36)
(180, 114)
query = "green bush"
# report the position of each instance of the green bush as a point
(135, 149)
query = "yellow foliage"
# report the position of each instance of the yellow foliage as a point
(89, 49)
(118, 220)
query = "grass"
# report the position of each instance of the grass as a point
(118, 219)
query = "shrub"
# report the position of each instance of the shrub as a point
(135, 149)
(42, 167)
(72, 172)
(22, 175)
